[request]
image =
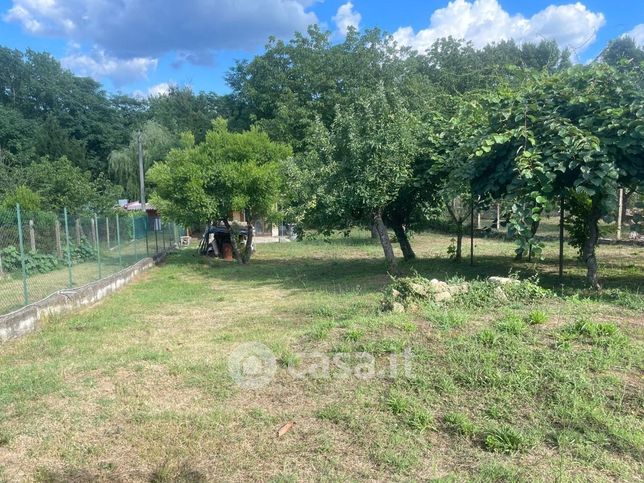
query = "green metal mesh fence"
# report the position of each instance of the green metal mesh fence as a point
(41, 253)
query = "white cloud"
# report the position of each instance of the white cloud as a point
(151, 28)
(485, 21)
(100, 65)
(637, 34)
(161, 89)
(156, 90)
(346, 17)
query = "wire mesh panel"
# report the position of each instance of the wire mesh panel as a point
(44, 258)
(42, 252)
(11, 279)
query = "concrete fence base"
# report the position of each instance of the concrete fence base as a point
(22, 321)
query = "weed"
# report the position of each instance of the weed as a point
(505, 439)
(445, 319)
(333, 413)
(512, 325)
(596, 333)
(419, 418)
(5, 438)
(353, 335)
(537, 317)
(321, 330)
(488, 337)
(460, 424)
(398, 403)
(288, 359)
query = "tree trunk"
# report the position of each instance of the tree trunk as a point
(248, 249)
(385, 241)
(625, 201)
(233, 241)
(374, 232)
(588, 252)
(533, 229)
(458, 256)
(403, 241)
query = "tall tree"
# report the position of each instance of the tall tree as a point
(579, 134)
(200, 183)
(156, 142)
(364, 160)
(181, 110)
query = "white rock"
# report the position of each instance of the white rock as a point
(418, 289)
(502, 280)
(442, 297)
(458, 289)
(438, 286)
(397, 307)
(500, 294)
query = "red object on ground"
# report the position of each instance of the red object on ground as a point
(228, 251)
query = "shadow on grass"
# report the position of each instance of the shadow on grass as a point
(369, 274)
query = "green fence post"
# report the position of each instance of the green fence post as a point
(147, 243)
(98, 248)
(134, 237)
(164, 229)
(25, 288)
(176, 233)
(118, 240)
(69, 250)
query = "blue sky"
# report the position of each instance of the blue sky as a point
(141, 46)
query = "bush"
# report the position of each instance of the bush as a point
(83, 252)
(40, 263)
(34, 262)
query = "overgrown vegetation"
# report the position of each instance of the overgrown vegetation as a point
(36, 262)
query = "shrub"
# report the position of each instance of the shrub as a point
(34, 262)
(83, 252)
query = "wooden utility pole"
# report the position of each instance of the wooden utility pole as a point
(141, 171)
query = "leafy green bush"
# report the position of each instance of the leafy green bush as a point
(83, 252)
(40, 263)
(34, 262)
(10, 259)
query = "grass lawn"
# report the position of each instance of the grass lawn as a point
(138, 388)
